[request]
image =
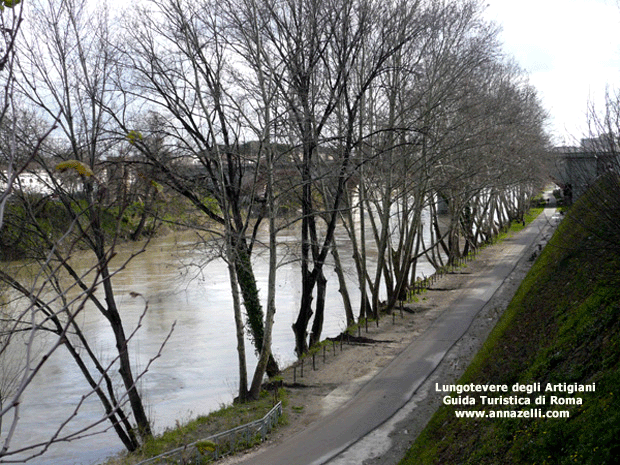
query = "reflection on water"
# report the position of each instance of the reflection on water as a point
(197, 371)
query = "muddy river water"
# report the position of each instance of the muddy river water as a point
(197, 371)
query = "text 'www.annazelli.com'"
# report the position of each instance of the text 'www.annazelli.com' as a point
(531, 413)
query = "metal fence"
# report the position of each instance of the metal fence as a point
(221, 444)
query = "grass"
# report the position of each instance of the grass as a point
(221, 420)
(563, 326)
(517, 226)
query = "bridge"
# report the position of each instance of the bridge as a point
(577, 168)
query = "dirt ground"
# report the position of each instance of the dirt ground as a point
(345, 368)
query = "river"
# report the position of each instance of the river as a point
(197, 371)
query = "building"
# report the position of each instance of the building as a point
(31, 181)
(577, 167)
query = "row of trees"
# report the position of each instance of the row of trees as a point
(321, 114)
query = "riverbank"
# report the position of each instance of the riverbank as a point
(341, 369)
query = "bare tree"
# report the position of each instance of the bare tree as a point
(313, 47)
(183, 64)
(10, 21)
(263, 118)
(65, 70)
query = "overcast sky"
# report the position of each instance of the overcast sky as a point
(571, 49)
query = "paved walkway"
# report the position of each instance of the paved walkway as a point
(384, 395)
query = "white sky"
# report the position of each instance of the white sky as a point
(571, 50)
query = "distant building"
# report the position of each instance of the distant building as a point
(31, 181)
(577, 167)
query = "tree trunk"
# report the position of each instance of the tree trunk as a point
(135, 400)
(243, 373)
(346, 300)
(319, 317)
(251, 301)
(265, 356)
(300, 326)
(113, 316)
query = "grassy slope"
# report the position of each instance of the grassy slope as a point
(562, 326)
(224, 419)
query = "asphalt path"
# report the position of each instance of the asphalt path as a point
(386, 393)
